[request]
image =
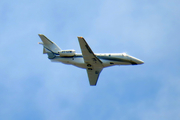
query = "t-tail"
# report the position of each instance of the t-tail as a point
(50, 48)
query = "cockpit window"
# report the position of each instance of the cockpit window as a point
(124, 54)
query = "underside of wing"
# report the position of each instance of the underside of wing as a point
(94, 65)
(93, 75)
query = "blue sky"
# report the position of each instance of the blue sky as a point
(32, 87)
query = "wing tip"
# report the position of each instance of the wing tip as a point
(80, 37)
(40, 34)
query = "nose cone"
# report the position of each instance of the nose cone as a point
(136, 61)
(139, 61)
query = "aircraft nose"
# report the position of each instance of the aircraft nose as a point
(140, 61)
(137, 61)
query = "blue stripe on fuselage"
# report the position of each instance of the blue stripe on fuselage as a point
(102, 58)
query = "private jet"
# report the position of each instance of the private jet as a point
(93, 63)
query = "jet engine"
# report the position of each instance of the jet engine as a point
(67, 53)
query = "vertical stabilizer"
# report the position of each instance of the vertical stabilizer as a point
(49, 46)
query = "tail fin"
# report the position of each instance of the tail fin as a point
(49, 46)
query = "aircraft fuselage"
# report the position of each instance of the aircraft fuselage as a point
(108, 59)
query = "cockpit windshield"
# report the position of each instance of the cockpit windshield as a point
(124, 54)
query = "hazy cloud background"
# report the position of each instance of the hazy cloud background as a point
(31, 87)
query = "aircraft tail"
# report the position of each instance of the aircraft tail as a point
(49, 47)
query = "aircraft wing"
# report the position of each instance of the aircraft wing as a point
(94, 65)
(93, 75)
(88, 55)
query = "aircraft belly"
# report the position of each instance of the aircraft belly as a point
(108, 63)
(79, 62)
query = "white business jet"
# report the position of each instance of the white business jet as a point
(93, 63)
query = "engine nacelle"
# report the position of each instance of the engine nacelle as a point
(67, 53)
